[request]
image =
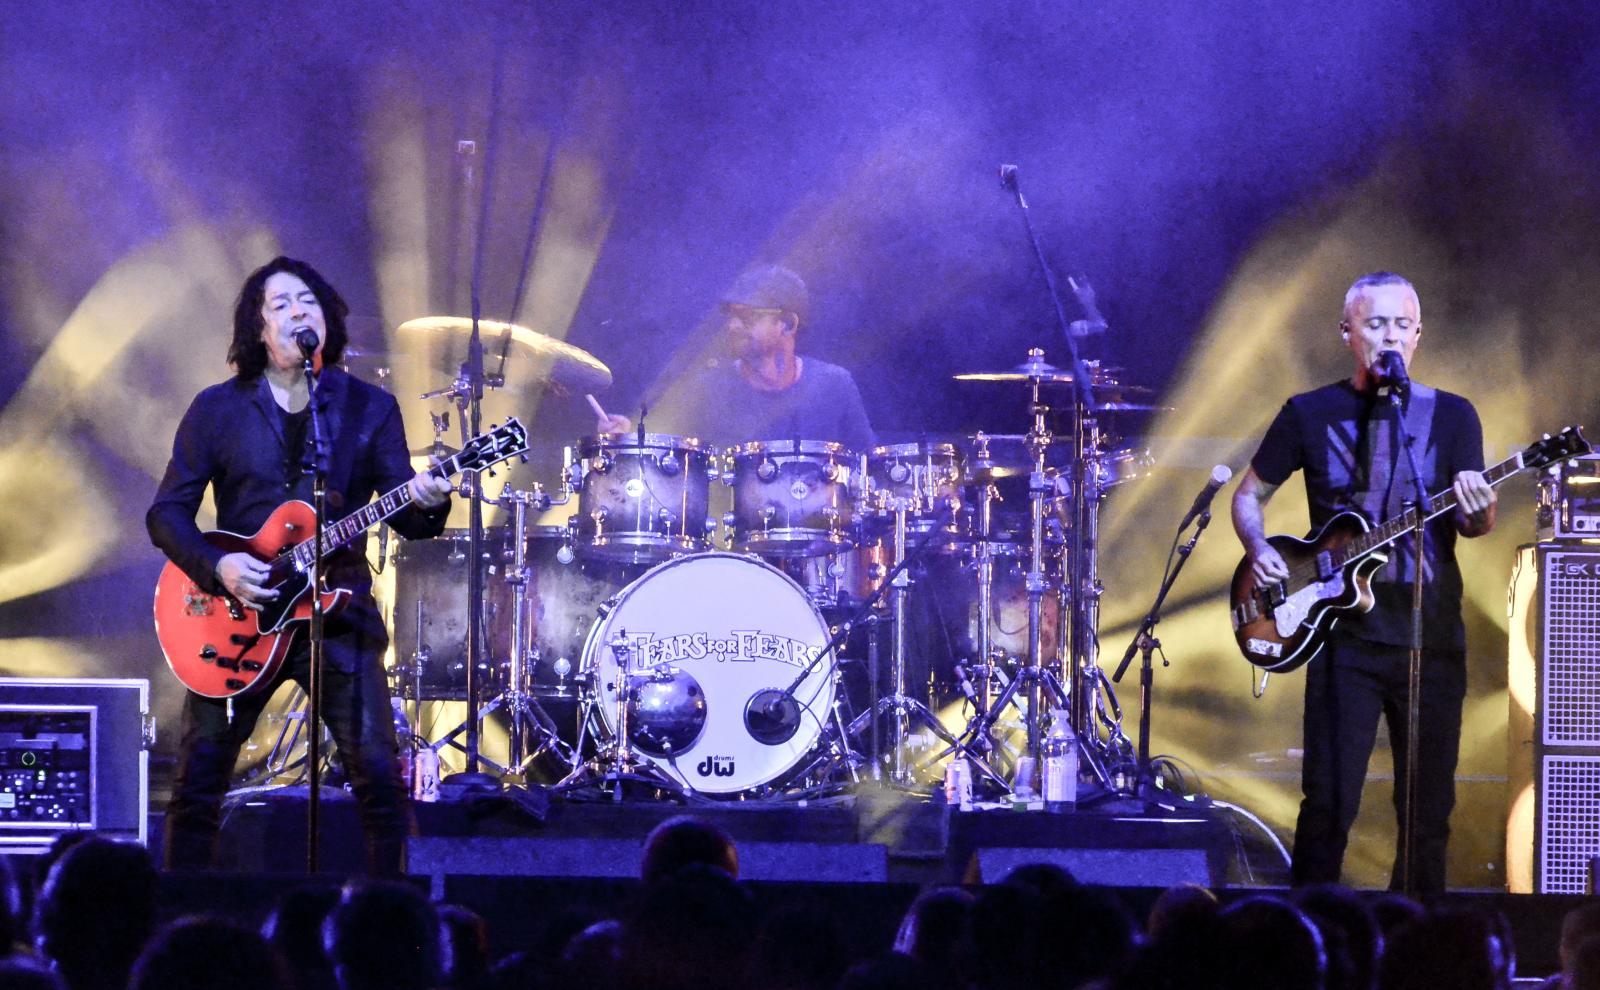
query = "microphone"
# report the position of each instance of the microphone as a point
(1085, 292)
(306, 339)
(1008, 179)
(1393, 368)
(1220, 475)
(772, 716)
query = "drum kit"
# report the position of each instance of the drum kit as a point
(717, 617)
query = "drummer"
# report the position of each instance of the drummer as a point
(766, 391)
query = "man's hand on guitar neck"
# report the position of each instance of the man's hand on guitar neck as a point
(243, 576)
(429, 491)
(1475, 501)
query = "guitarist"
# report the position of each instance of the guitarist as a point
(1342, 437)
(246, 439)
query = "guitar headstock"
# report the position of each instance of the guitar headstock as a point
(1569, 442)
(488, 449)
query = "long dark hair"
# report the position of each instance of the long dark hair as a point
(247, 353)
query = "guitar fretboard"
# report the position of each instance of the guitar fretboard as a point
(479, 453)
(1392, 529)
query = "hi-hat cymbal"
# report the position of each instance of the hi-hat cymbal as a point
(531, 358)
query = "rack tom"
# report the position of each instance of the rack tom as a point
(642, 499)
(792, 498)
(924, 477)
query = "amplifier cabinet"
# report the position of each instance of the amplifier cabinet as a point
(1553, 833)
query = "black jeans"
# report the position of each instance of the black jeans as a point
(1347, 688)
(356, 710)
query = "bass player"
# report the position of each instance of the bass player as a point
(1343, 437)
(246, 439)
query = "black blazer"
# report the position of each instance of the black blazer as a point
(231, 439)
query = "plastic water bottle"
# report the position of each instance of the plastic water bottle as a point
(1060, 750)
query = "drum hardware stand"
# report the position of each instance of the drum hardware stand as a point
(528, 721)
(610, 768)
(905, 708)
(1146, 644)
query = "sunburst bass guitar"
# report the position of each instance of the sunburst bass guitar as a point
(1283, 625)
(219, 648)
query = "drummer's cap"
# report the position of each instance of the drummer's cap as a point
(769, 287)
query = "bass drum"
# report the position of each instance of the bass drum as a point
(704, 635)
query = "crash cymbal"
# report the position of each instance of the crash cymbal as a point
(531, 358)
(1036, 368)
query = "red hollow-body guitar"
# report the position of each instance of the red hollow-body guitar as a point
(219, 648)
(1283, 625)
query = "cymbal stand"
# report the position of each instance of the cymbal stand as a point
(528, 722)
(904, 708)
(1034, 677)
(1090, 691)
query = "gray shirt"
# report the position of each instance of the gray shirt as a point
(717, 405)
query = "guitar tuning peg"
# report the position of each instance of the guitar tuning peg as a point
(1547, 436)
(523, 458)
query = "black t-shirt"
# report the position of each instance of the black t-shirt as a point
(1326, 434)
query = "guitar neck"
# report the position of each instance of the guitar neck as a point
(1405, 522)
(341, 534)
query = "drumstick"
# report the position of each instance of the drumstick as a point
(595, 405)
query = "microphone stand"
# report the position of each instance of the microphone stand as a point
(1423, 509)
(1083, 402)
(1145, 643)
(316, 463)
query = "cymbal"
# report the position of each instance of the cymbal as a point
(1130, 407)
(1037, 369)
(1034, 369)
(531, 357)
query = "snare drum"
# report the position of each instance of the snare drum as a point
(642, 501)
(697, 640)
(925, 477)
(792, 498)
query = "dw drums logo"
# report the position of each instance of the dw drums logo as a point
(715, 766)
(740, 644)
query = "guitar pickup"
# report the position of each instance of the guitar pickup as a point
(1325, 568)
